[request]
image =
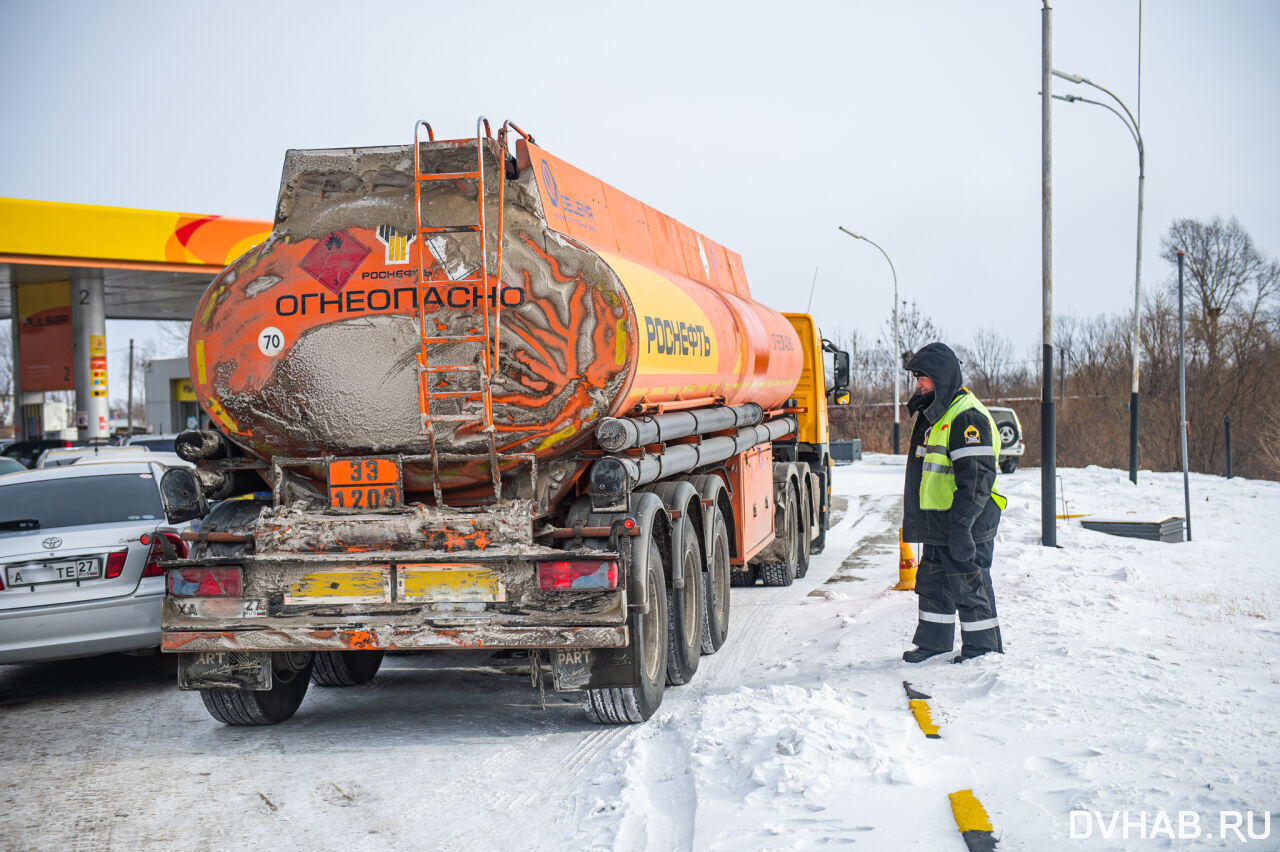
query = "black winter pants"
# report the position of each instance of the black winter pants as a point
(947, 587)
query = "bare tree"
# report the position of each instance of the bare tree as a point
(1224, 269)
(914, 328)
(171, 339)
(988, 362)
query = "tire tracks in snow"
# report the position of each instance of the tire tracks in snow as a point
(646, 795)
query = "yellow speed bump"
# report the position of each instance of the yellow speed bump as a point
(971, 819)
(916, 700)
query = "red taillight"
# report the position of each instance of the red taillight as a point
(179, 550)
(115, 564)
(204, 582)
(577, 575)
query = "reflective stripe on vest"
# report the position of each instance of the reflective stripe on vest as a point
(938, 477)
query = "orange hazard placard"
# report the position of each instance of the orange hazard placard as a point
(365, 483)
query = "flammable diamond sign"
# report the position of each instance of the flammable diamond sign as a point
(332, 260)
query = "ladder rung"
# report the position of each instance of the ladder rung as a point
(451, 229)
(465, 338)
(452, 368)
(447, 175)
(454, 394)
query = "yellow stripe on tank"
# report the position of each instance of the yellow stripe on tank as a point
(675, 334)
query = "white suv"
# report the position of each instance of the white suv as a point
(1011, 444)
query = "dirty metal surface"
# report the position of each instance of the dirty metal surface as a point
(334, 294)
(385, 637)
(293, 529)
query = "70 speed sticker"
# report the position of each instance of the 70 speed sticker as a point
(271, 341)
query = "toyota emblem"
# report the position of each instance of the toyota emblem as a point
(51, 543)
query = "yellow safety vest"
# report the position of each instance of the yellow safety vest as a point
(938, 479)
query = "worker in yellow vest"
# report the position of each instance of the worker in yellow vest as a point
(952, 504)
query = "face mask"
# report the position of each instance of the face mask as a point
(919, 401)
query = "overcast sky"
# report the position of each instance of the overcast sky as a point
(763, 125)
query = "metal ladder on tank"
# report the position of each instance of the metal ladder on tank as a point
(429, 374)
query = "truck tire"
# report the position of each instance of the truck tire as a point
(802, 531)
(819, 544)
(744, 578)
(685, 612)
(715, 623)
(783, 573)
(247, 707)
(617, 705)
(345, 668)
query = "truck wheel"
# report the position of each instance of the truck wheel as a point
(819, 544)
(1009, 465)
(784, 573)
(685, 613)
(289, 682)
(744, 578)
(623, 704)
(715, 623)
(345, 668)
(802, 535)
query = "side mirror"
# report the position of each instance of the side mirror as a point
(183, 497)
(840, 397)
(841, 378)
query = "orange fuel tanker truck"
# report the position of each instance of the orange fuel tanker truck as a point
(469, 396)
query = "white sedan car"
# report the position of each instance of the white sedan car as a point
(80, 548)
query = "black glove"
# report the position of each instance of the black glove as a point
(961, 545)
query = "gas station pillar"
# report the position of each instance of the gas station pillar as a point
(89, 353)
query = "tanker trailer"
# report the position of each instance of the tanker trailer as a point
(469, 396)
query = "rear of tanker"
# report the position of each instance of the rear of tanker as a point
(469, 396)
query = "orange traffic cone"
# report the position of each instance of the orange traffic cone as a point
(906, 566)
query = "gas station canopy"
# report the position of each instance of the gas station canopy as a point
(154, 264)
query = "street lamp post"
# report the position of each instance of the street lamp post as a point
(1131, 125)
(897, 346)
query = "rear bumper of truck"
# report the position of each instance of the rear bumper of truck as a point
(391, 637)
(381, 601)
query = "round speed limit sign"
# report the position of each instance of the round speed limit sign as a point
(270, 341)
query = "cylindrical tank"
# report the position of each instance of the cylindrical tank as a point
(311, 344)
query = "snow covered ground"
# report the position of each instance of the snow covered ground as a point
(1140, 690)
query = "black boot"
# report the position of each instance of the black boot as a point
(919, 655)
(969, 655)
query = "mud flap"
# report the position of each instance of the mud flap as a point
(571, 668)
(229, 670)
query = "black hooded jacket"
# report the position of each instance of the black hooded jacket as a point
(972, 505)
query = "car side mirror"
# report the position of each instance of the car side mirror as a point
(183, 497)
(841, 378)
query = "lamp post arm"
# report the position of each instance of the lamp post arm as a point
(882, 251)
(1137, 137)
(1113, 97)
(896, 345)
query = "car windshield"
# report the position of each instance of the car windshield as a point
(79, 501)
